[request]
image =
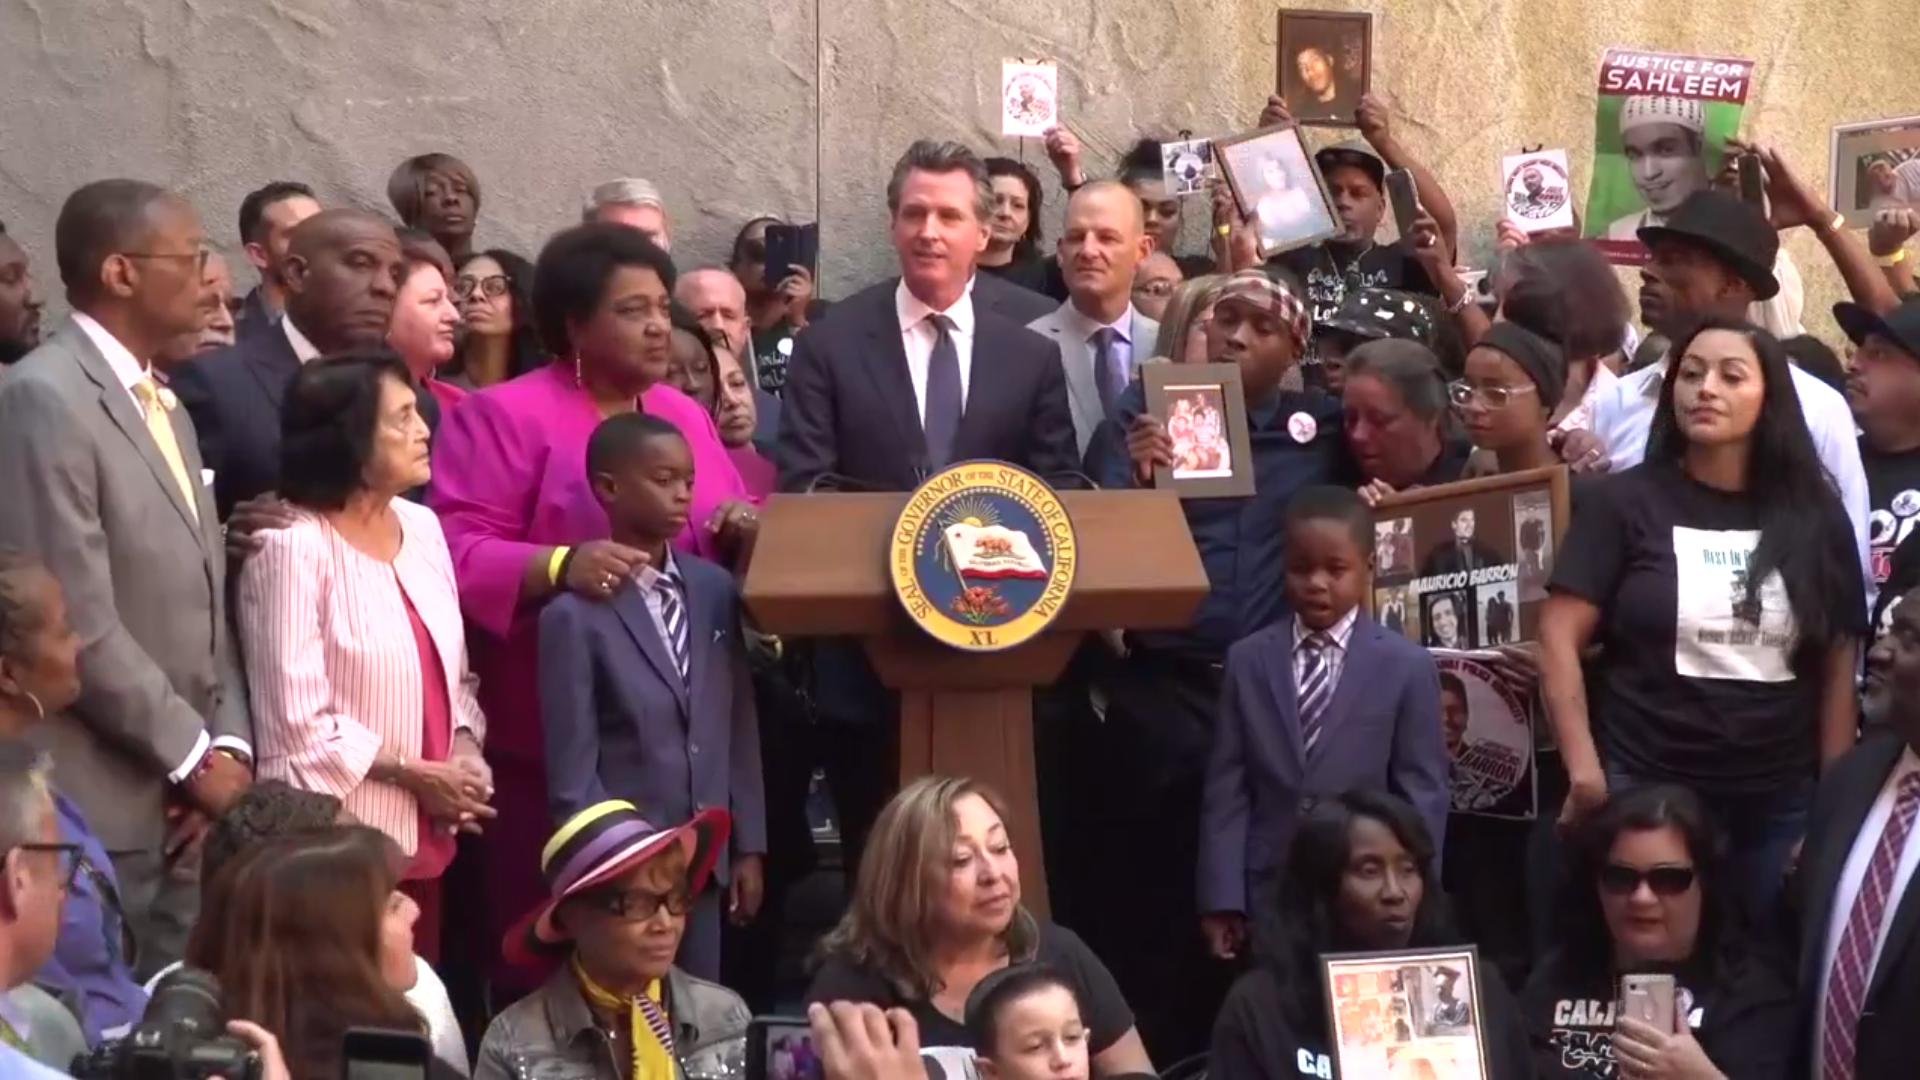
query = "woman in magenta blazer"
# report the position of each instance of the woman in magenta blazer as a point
(350, 625)
(510, 483)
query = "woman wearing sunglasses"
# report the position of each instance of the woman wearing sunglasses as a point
(1650, 890)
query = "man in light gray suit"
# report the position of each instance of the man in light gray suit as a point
(100, 476)
(1103, 340)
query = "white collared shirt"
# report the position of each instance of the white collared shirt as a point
(129, 369)
(1335, 653)
(1623, 415)
(302, 348)
(1853, 875)
(919, 336)
(1082, 329)
(648, 579)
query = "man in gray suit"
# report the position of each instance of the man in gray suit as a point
(101, 478)
(1103, 340)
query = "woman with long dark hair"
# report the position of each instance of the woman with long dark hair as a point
(1650, 890)
(1359, 877)
(495, 292)
(1721, 579)
(309, 936)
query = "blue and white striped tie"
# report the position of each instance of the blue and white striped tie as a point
(1316, 688)
(673, 612)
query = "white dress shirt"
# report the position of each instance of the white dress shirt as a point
(1853, 875)
(131, 371)
(648, 579)
(302, 348)
(1081, 328)
(1623, 416)
(919, 336)
(1334, 654)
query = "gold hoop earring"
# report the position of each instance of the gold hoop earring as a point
(578, 382)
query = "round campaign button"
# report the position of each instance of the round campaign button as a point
(1302, 427)
(982, 556)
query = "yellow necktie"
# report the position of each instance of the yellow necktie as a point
(160, 426)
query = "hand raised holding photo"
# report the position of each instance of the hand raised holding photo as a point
(1149, 446)
(1275, 112)
(1790, 203)
(1890, 231)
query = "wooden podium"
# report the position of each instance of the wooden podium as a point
(820, 569)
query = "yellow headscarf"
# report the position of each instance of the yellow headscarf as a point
(646, 1015)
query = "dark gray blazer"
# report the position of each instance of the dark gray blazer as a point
(1381, 732)
(85, 488)
(619, 723)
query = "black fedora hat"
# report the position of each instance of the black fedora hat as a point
(1901, 326)
(1737, 234)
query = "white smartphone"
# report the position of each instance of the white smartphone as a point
(1648, 999)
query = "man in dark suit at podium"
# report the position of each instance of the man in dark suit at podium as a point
(895, 383)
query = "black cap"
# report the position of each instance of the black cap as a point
(1732, 229)
(1901, 326)
(1354, 152)
(1382, 313)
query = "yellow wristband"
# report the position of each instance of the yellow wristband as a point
(554, 562)
(1894, 259)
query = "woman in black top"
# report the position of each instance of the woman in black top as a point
(1649, 890)
(1398, 422)
(1721, 580)
(1357, 880)
(936, 910)
(1013, 235)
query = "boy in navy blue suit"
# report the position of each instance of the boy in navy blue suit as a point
(646, 696)
(1317, 704)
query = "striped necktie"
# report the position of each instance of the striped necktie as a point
(673, 612)
(1316, 687)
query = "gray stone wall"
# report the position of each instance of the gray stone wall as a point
(730, 106)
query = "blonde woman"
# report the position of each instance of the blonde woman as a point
(1183, 333)
(936, 909)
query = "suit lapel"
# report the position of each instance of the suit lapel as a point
(700, 628)
(889, 364)
(125, 413)
(630, 603)
(1083, 392)
(273, 364)
(1824, 878)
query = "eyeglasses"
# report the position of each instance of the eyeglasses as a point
(198, 258)
(1156, 287)
(639, 905)
(493, 286)
(1620, 880)
(1463, 393)
(69, 859)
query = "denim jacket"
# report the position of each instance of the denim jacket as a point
(551, 1034)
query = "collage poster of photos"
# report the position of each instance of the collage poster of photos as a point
(1465, 574)
(1407, 1016)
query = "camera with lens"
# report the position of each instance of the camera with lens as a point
(180, 1037)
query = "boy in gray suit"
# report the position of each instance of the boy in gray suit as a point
(646, 695)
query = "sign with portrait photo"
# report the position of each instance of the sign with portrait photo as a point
(1203, 408)
(1462, 569)
(1875, 167)
(1186, 166)
(1029, 97)
(1278, 188)
(1538, 190)
(1324, 64)
(1413, 1015)
(1661, 123)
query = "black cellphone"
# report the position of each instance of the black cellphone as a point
(1753, 182)
(790, 246)
(1405, 200)
(382, 1054)
(781, 1048)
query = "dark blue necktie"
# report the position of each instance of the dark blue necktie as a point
(1105, 380)
(942, 420)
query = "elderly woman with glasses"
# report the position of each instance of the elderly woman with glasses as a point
(617, 1008)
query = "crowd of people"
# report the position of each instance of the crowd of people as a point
(373, 641)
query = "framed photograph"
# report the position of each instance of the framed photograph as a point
(1278, 187)
(1204, 408)
(1463, 569)
(1875, 166)
(1324, 64)
(1185, 166)
(1412, 1015)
